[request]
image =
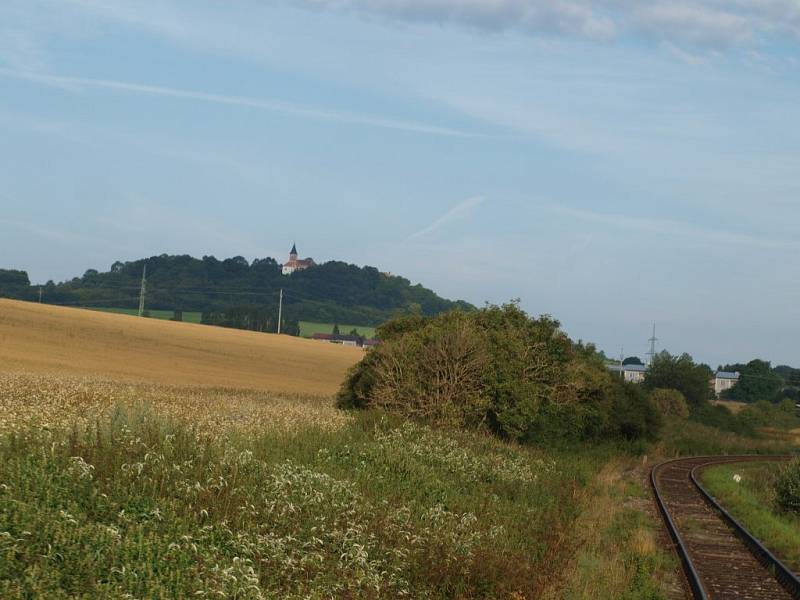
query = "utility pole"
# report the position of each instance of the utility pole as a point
(652, 341)
(40, 294)
(143, 290)
(621, 360)
(280, 310)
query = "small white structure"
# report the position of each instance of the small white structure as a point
(724, 380)
(296, 264)
(630, 373)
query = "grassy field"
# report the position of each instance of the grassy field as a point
(37, 338)
(112, 489)
(752, 503)
(150, 459)
(188, 317)
(307, 329)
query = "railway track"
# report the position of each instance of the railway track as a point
(720, 558)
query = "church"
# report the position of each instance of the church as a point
(296, 264)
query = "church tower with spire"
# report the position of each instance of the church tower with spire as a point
(296, 264)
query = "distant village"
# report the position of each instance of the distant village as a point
(635, 373)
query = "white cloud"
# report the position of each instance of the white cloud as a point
(705, 23)
(458, 212)
(269, 105)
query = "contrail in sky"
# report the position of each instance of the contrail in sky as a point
(268, 105)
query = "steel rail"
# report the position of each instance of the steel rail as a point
(788, 580)
(782, 573)
(688, 566)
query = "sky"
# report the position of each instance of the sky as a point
(611, 163)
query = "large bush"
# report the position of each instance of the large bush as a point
(787, 488)
(501, 370)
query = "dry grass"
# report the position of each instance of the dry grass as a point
(618, 554)
(41, 339)
(731, 405)
(53, 402)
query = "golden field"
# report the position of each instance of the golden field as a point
(39, 339)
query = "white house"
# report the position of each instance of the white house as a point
(724, 380)
(630, 373)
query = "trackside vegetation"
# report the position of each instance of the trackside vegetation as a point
(501, 371)
(762, 498)
(126, 499)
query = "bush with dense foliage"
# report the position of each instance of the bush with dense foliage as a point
(670, 403)
(787, 488)
(500, 370)
(757, 381)
(680, 373)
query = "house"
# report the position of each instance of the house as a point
(296, 264)
(724, 380)
(630, 373)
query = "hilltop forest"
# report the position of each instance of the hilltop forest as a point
(237, 293)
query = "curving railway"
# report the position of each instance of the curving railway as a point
(720, 558)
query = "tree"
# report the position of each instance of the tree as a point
(632, 360)
(682, 374)
(757, 381)
(335, 329)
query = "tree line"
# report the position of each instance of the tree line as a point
(235, 292)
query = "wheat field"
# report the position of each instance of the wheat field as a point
(51, 340)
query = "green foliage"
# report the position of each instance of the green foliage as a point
(221, 289)
(335, 330)
(682, 374)
(500, 370)
(308, 329)
(670, 403)
(632, 360)
(683, 437)
(715, 415)
(252, 317)
(752, 501)
(15, 284)
(632, 416)
(757, 381)
(787, 488)
(767, 414)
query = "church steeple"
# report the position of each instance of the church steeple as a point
(293, 253)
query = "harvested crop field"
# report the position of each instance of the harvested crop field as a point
(41, 339)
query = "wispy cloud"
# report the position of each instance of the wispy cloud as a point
(458, 212)
(675, 228)
(296, 110)
(706, 23)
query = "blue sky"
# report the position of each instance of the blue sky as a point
(612, 163)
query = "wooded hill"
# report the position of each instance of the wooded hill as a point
(237, 293)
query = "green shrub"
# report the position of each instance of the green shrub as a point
(716, 415)
(633, 415)
(500, 370)
(787, 488)
(670, 403)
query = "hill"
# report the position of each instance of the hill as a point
(38, 338)
(237, 293)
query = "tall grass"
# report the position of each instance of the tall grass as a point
(142, 505)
